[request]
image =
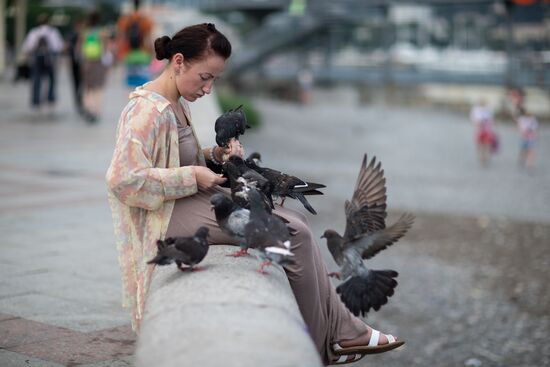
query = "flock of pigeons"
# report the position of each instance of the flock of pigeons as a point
(248, 217)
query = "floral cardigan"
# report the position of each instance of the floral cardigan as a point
(144, 179)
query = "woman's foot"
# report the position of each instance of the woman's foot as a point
(371, 342)
(363, 340)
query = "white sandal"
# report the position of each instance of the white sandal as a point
(345, 359)
(372, 347)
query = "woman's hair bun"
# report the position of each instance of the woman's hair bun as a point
(162, 48)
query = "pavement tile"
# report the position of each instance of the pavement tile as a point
(13, 359)
(78, 348)
(17, 331)
(5, 316)
(126, 361)
(120, 333)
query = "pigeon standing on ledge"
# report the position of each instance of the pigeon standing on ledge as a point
(230, 125)
(182, 250)
(365, 236)
(267, 233)
(231, 219)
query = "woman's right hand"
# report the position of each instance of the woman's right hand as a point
(206, 178)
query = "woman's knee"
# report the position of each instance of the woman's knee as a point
(302, 238)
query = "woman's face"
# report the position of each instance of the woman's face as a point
(196, 79)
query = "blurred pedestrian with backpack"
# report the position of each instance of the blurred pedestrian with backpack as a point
(41, 47)
(135, 47)
(96, 59)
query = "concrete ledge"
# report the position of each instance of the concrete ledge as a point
(227, 315)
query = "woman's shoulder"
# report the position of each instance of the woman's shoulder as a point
(144, 98)
(145, 109)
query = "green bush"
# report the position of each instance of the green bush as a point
(228, 101)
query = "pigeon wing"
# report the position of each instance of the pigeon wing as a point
(371, 244)
(237, 221)
(172, 252)
(366, 212)
(193, 249)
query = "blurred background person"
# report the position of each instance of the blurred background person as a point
(41, 47)
(305, 82)
(73, 51)
(485, 137)
(527, 125)
(135, 45)
(96, 59)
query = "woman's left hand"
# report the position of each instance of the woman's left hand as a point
(235, 148)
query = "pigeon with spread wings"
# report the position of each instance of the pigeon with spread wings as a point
(365, 236)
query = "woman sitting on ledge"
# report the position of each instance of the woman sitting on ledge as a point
(159, 186)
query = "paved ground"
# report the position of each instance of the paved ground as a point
(60, 288)
(472, 269)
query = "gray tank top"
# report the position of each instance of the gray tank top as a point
(188, 147)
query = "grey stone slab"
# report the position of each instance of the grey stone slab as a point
(227, 314)
(241, 283)
(226, 334)
(13, 359)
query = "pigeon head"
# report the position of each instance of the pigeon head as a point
(331, 234)
(160, 244)
(230, 169)
(166, 242)
(236, 160)
(202, 232)
(255, 156)
(221, 204)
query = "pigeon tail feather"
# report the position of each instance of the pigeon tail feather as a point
(362, 292)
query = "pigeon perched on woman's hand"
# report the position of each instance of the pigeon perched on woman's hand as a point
(182, 250)
(365, 236)
(230, 125)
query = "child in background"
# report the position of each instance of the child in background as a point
(486, 138)
(527, 125)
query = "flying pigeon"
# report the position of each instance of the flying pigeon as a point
(286, 185)
(230, 125)
(365, 236)
(182, 250)
(267, 233)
